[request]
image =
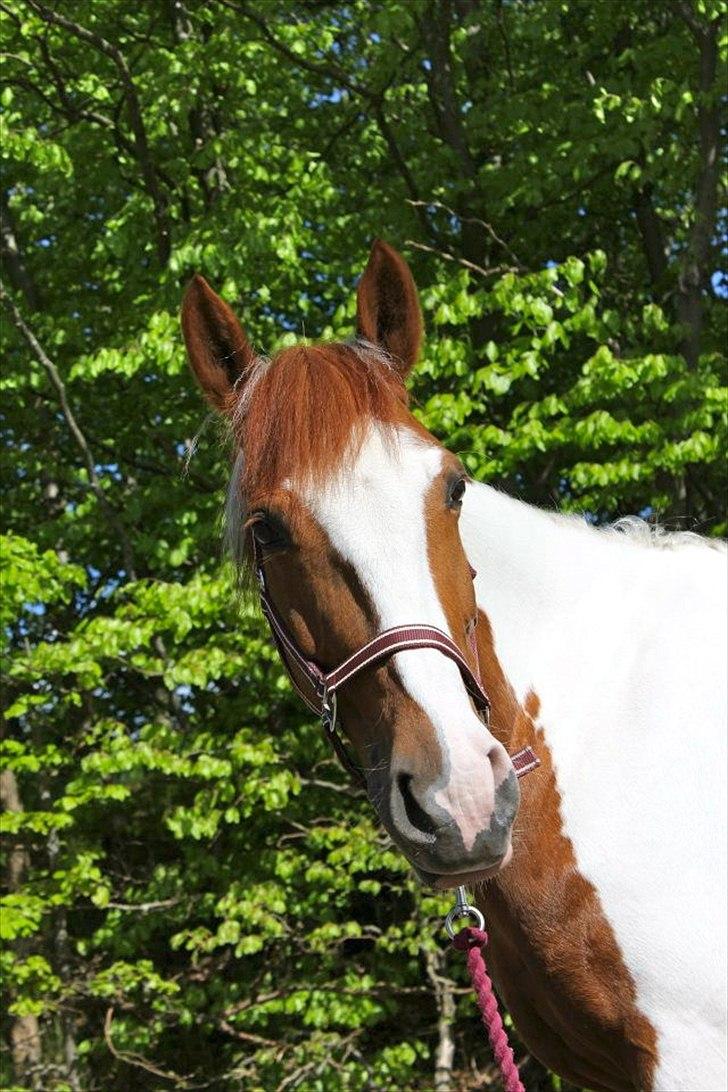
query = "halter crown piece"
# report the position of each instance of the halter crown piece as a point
(325, 685)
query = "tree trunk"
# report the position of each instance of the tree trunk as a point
(443, 990)
(694, 271)
(25, 1041)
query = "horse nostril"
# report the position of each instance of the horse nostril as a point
(416, 814)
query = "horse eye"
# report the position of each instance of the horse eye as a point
(264, 532)
(268, 531)
(455, 493)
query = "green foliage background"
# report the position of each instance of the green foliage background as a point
(194, 897)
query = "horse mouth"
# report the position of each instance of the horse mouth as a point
(443, 881)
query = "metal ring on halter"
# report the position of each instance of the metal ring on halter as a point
(463, 909)
(328, 710)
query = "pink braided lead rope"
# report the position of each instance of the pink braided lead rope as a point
(473, 941)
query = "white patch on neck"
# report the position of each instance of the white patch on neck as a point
(374, 514)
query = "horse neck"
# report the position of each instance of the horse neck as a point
(535, 572)
(608, 658)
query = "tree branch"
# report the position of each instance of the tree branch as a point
(144, 907)
(171, 699)
(684, 11)
(77, 112)
(328, 71)
(435, 29)
(493, 271)
(653, 241)
(141, 143)
(249, 1037)
(333, 72)
(693, 274)
(488, 228)
(74, 428)
(136, 1059)
(401, 164)
(18, 272)
(332, 786)
(500, 20)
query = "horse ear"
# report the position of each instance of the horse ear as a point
(218, 349)
(387, 309)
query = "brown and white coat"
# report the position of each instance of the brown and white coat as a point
(604, 887)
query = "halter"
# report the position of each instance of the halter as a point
(325, 685)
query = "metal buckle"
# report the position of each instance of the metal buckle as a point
(328, 711)
(463, 909)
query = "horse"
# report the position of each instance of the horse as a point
(602, 876)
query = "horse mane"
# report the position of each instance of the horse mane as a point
(634, 531)
(299, 413)
(653, 536)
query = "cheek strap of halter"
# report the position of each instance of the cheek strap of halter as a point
(324, 685)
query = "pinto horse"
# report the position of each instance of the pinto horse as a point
(603, 878)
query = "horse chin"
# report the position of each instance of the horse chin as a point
(445, 880)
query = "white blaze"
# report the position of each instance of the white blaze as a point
(373, 512)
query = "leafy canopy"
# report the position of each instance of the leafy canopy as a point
(193, 892)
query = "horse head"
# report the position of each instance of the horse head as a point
(353, 509)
